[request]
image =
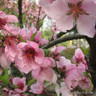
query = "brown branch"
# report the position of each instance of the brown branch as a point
(38, 20)
(20, 13)
(92, 59)
(64, 39)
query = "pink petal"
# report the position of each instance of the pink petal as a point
(37, 88)
(12, 18)
(33, 44)
(39, 56)
(86, 26)
(46, 74)
(5, 63)
(59, 49)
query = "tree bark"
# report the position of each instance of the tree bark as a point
(92, 59)
(20, 13)
(64, 39)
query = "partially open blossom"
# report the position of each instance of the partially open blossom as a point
(56, 52)
(68, 12)
(65, 64)
(59, 49)
(37, 88)
(40, 40)
(29, 56)
(20, 83)
(79, 57)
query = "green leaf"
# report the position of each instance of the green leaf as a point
(41, 22)
(5, 78)
(21, 38)
(57, 67)
(85, 74)
(32, 37)
(13, 86)
(30, 82)
(85, 90)
(46, 52)
(85, 51)
(25, 93)
(1, 37)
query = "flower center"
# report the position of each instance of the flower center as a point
(3, 21)
(76, 9)
(30, 53)
(20, 86)
(11, 40)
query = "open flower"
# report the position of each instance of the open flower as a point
(75, 77)
(6, 19)
(29, 56)
(20, 83)
(44, 72)
(68, 12)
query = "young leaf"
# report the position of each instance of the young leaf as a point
(32, 37)
(30, 82)
(21, 38)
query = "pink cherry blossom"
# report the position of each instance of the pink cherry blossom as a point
(27, 35)
(29, 56)
(6, 19)
(40, 40)
(20, 83)
(59, 49)
(74, 76)
(56, 52)
(44, 72)
(37, 88)
(79, 57)
(85, 84)
(65, 64)
(11, 47)
(68, 12)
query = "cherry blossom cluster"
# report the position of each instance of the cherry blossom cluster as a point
(30, 10)
(23, 49)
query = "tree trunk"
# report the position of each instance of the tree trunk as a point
(92, 59)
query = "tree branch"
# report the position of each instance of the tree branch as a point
(64, 39)
(20, 13)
